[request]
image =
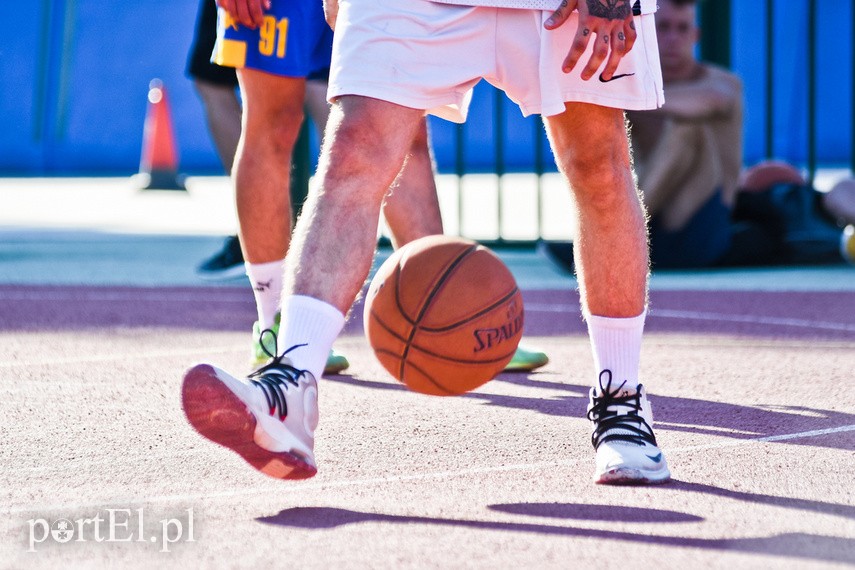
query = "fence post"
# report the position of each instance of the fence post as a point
(715, 40)
(811, 79)
(770, 79)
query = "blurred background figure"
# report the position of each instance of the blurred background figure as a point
(217, 88)
(688, 157)
(806, 226)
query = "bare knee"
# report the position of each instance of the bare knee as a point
(273, 130)
(355, 152)
(769, 173)
(593, 154)
(600, 181)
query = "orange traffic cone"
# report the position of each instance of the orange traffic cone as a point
(159, 162)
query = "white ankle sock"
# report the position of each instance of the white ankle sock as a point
(266, 281)
(616, 343)
(309, 321)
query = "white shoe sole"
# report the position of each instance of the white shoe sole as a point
(632, 476)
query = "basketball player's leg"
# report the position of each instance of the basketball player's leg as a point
(592, 151)
(411, 208)
(273, 113)
(365, 145)
(250, 416)
(268, 418)
(316, 103)
(222, 114)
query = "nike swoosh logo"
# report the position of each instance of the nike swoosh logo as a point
(655, 458)
(614, 77)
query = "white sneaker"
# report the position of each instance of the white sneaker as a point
(623, 435)
(269, 418)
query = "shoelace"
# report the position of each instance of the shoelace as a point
(275, 377)
(629, 427)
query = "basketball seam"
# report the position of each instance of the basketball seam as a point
(400, 306)
(388, 329)
(430, 379)
(437, 286)
(475, 316)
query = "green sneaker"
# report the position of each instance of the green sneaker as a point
(526, 360)
(336, 362)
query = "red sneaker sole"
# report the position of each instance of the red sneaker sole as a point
(219, 415)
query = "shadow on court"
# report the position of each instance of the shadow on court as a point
(671, 413)
(791, 545)
(836, 509)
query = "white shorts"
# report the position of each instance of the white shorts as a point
(427, 55)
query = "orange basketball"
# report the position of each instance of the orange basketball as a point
(444, 315)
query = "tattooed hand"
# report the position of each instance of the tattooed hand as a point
(609, 22)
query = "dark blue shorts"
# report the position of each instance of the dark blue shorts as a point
(702, 242)
(293, 41)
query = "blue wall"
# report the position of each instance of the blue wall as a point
(834, 77)
(75, 77)
(75, 73)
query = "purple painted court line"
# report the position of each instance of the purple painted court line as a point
(776, 314)
(802, 315)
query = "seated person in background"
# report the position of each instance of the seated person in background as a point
(688, 153)
(688, 157)
(805, 223)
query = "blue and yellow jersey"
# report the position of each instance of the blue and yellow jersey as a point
(294, 40)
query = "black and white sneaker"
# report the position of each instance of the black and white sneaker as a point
(225, 264)
(627, 452)
(269, 418)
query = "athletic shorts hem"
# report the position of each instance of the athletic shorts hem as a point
(549, 109)
(440, 106)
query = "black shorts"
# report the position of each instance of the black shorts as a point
(199, 64)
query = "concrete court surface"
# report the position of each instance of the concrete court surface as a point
(750, 374)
